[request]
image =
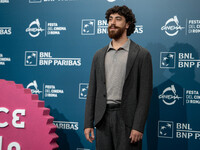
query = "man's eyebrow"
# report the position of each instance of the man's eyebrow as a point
(115, 17)
(118, 17)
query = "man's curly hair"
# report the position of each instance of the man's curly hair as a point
(127, 13)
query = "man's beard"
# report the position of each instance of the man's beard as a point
(116, 34)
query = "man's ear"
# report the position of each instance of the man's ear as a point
(127, 25)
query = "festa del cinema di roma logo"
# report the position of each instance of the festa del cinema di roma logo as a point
(34, 28)
(172, 26)
(21, 113)
(48, 90)
(34, 87)
(51, 28)
(169, 95)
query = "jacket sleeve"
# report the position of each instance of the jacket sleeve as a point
(144, 93)
(90, 102)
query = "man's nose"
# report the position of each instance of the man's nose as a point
(113, 21)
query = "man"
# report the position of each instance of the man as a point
(120, 87)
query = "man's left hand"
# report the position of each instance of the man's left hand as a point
(135, 136)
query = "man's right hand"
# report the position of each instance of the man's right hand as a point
(89, 134)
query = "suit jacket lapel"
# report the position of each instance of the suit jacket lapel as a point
(102, 62)
(133, 51)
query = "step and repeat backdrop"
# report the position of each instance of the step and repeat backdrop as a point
(48, 46)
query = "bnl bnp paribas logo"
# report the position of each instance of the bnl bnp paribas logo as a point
(64, 125)
(4, 1)
(169, 95)
(178, 130)
(51, 28)
(165, 129)
(88, 27)
(167, 59)
(93, 26)
(83, 89)
(5, 31)
(33, 58)
(184, 60)
(172, 26)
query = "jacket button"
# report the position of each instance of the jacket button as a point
(104, 95)
(104, 82)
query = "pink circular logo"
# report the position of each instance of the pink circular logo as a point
(25, 124)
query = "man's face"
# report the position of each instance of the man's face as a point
(116, 26)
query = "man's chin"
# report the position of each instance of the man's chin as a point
(114, 37)
(116, 34)
(112, 34)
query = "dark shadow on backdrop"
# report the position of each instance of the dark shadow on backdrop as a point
(182, 78)
(68, 139)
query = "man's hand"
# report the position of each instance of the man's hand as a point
(87, 133)
(135, 136)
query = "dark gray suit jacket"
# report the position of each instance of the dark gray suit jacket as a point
(136, 93)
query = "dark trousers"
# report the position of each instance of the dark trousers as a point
(113, 134)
